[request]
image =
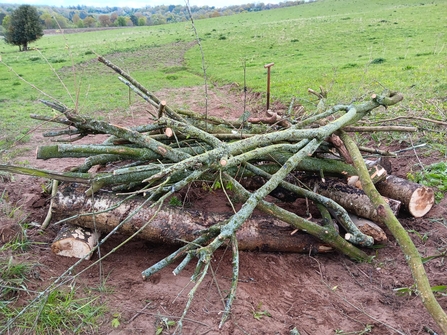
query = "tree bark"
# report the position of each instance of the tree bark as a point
(352, 199)
(173, 225)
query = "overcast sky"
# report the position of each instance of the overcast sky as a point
(137, 3)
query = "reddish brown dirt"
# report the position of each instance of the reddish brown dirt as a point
(320, 294)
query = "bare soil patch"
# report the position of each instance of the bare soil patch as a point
(317, 294)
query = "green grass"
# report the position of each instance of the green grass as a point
(58, 312)
(13, 278)
(352, 48)
(347, 46)
(434, 176)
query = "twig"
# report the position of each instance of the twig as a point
(234, 280)
(175, 317)
(202, 260)
(203, 58)
(139, 312)
(411, 118)
(378, 151)
(54, 185)
(380, 128)
(351, 304)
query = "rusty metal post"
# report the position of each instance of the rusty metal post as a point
(268, 66)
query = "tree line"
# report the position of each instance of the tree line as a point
(82, 16)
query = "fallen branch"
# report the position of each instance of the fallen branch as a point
(408, 248)
(174, 225)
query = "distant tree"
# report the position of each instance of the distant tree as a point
(60, 21)
(104, 20)
(158, 19)
(113, 17)
(76, 19)
(2, 16)
(121, 21)
(24, 27)
(89, 22)
(47, 20)
(142, 21)
(6, 21)
(134, 20)
(83, 14)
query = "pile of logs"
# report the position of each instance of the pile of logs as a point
(155, 160)
(286, 156)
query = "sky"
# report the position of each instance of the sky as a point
(137, 3)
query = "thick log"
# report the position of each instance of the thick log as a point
(73, 241)
(353, 199)
(175, 226)
(417, 199)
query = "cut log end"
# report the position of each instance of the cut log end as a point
(417, 199)
(421, 201)
(73, 241)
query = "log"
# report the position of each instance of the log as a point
(352, 199)
(416, 199)
(175, 226)
(369, 228)
(73, 241)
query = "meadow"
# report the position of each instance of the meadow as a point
(352, 48)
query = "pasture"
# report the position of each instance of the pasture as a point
(352, 48)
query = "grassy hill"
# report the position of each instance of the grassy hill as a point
(350, 47)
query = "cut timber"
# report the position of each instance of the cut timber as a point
(353, 199)
(376, 172)
(417, 199)
(369, 228)
(73, 241)
(175, 226)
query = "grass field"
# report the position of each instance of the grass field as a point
(352, 48)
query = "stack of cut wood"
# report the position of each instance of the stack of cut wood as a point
(153, 161)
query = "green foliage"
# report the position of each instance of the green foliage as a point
(121, 21)
(258, 314)
(164, 324)
(24, 27)
(435, 176)
(174, 201)
(116, 320)
(423, 237)
(411, 290)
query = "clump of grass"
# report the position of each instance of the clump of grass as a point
(435, 176)
(56, 60)
(379, 60)
(57, 312)
(13, 277)
(174, 201)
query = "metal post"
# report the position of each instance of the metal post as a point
(268, 66)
